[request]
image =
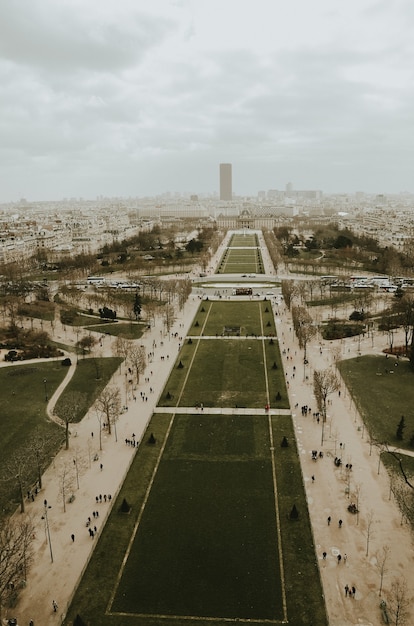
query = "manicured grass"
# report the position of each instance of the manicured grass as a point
(235, 261)
(207, 544)
(208, 560)
(90, 377)
(244, 241)
(225, 372)
(23, 415)
(252, 317)
(125, 329)
(382, 397)
(23, 409)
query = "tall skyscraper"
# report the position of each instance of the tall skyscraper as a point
(226, 191)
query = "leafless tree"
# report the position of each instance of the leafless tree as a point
(398, 601)
(137, 358)
(369, 521)
(69, 410)
(168, 314)
(66, 482)
(381, 563)
(325, 382)
(108, 405)
(16, 553)
(40, 447)
(16, 471)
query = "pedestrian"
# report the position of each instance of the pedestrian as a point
(346, 590)
(55, 606)
(313, 479)
(324, 555)
(340, 523)
(101, 467)
(31, 623)
(339, 558)
(72, 537)
(329, 520)
(345, 557)
(353, 591)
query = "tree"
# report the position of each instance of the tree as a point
(400, 428)
(381, 563)
(137, 358)
(368, 529)
(168, 314)
(398, 601)
(71, 410)
(66, 482)
(16, 554)
(303, 325)
(17, 471)
(137, 305)
(108, 404)
(85, 344)
(325, 382)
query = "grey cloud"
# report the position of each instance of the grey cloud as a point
(50, 35)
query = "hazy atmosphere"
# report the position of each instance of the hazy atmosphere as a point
(135, 98)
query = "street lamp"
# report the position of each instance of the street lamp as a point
(44, 516)
(45, 384)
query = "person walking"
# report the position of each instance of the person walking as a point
(55, 606)
(329, 520)
(346, 590)
(72, 537)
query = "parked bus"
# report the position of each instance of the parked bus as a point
(95, 280)
(243, 291)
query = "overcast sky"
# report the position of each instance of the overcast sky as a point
(134, 98)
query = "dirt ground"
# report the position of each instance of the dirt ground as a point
(59, 565)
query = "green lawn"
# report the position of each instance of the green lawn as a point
(207, 544)
(127, 330)
(237, 261)
(214, 490)
(23, 410)
(227, 373)
(244, 240)
(251, 317)
(90, 377)
(389, 396)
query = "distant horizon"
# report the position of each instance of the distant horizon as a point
(213, 196)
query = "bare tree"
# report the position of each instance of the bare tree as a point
(40, 447)
(122, 347)
(17, 472)
(398, 601)
(369, 520)
(325, 382)
(70, 410)
(381, 563)
(137, 358)
(108, 405)
(66, 482)
(168, 314)
(16, 554)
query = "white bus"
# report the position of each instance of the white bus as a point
(95, 280)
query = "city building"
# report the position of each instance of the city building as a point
(226, 191)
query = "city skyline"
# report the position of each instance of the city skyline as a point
(139, 100)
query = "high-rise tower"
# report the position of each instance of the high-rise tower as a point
(226, 191)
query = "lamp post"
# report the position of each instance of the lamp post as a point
(44, 516)
(45, 384)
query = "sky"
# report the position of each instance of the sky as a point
(131, 98)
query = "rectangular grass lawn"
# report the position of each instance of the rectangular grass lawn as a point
(251, 317)
(243, 240)
(207, 544)
(225, 373)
